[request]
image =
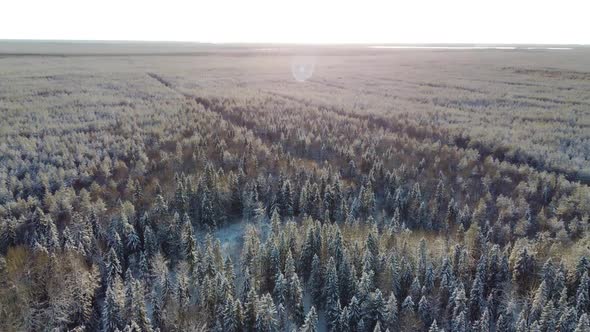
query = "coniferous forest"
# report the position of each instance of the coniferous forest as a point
(393, 190)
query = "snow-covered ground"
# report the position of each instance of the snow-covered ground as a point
(231, 237)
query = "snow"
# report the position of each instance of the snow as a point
(231, 236)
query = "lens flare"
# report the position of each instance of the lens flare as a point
(302, 68)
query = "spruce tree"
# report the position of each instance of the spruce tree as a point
(315, 281)
(111, 318)
(266, 319)
(484, 323)
(311, 321)
(502, 324)
(548, 317)
(425, 311)
(476, 299)
(582, 295)
(230, 319)
(378, 308)
(355, 313)
(583, 323)
(251, 311)
(344, 320)
(433, 327)
(391, 319)
(459, 322)
(280, 290)
(333, 312)
(377, 327)
(296, 294)
(408, 306)
(112, 267)
(568, 320)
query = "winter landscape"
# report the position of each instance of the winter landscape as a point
(201, 187)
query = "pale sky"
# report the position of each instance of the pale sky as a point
(301, 21)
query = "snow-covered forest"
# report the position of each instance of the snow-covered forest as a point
(392, 191)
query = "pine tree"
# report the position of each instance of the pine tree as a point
(568, 320)
(111, 310)
(331, 295)
(535, 327)
(367, 199)
(275, 222)
(364, 287)
(372, 244)
(139, 309)
(112, 267)
(235, 197)
(83, 286)
(559, 283)
(484, 324)
(378, 310)
(230, 319)
(274, 264)
(286, 204)
(361, 327)
(283, 319)
(476, 299)
(190, 246)
(239, 313)
(207, 211)
(346, 279)
(377, 327)
(582, 300)
(67, 242)
(7, 235)
(416, 289)
(354, 313)
(280, 290)
(582, 266)
(391, 318)
(541, 296)
(433, 327)
(548, 317)
(548, 274)
(251, 311)
(131, 238)
(311, 321)
(307, 254)
(425, 311)
(459, 323)
(408, 306)
(521, 323)
(158, 313)
(459, 301)
(396, 222)
(583, 323)
(289, 266)
(296, 294)
(331, 289)
(502, 324)
(344, 320)
(129, 298)
(333, 311)
(315, 281)
(51, 235)
(150, 242)
(132, 327)
(266, 319)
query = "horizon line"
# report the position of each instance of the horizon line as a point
(120, 41)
